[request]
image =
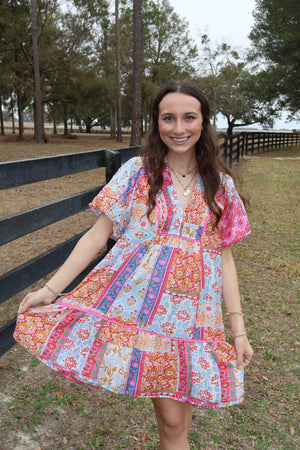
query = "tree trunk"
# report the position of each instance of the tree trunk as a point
(230, 127)
(112, 124)
(13, 122)
(54, 122)
(19, 103)
(37, 82)
(66, 132)
(12, 114)
(145, 118)
(20, 115)
(136, 128)
(1, 118)
(118, 74)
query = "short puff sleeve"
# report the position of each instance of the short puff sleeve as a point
(115, 199)
(234, 224)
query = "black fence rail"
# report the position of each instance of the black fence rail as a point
(250, 143)
(17, 173)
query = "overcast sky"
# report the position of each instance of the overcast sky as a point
(227, 21)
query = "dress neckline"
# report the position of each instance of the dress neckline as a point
(182, 208)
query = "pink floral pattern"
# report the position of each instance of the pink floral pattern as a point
(147, 320)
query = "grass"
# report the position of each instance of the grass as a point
(41, 410)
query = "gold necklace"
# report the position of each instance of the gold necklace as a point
(186, 190)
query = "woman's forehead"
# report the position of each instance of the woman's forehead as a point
(179, 102)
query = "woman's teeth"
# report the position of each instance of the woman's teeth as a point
(179, 139)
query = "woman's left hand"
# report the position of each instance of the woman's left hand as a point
(244, 351)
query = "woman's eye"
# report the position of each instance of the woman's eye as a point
(189, 118)
(168, 119)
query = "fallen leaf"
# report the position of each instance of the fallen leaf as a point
(272, 413)
(137, 447)
(292, 431)
(264, 378)
(260, 346)
(65, 440)
(59, 394)
(145, 437)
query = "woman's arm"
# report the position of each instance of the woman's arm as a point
(86, 249)
(232, 301)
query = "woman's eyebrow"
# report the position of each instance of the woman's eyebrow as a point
(172, 114)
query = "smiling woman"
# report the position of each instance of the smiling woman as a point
(180, 126)
(147, 320)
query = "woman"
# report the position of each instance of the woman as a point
(147, 321)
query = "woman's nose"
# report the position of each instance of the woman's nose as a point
(178, 127)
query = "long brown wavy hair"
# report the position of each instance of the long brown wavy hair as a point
(208, 159)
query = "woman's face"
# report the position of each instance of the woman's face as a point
(180, 122)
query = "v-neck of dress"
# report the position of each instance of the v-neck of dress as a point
(182, 208)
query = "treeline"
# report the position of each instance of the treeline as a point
(86, 60)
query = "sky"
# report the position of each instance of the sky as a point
(227, 21)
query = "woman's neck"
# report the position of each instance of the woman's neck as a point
(182, 163)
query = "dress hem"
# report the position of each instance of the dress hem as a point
(73, 376)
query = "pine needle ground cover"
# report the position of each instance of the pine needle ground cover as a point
(41, 410)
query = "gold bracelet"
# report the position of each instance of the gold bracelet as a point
(239, 335)
(57, 294)
(235, 312)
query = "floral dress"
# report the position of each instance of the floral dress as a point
(147, 320)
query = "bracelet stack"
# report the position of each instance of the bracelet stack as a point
(240, 313)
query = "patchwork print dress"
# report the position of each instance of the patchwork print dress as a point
(147, 320)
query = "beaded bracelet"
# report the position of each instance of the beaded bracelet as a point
(57, 294)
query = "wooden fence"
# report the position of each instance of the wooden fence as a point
(18, 173)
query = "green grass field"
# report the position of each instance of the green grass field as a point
(41, 410)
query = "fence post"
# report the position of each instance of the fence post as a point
(225, 147)
(238, 151)
(258, 142)
(246, 143)
(113, 163)
(230, 150)
(242, 152)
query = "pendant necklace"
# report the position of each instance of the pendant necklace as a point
(185, 174)
(186, 190)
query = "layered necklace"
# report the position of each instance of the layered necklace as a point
(186, 188)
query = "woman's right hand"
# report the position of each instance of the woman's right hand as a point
(36, 298)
